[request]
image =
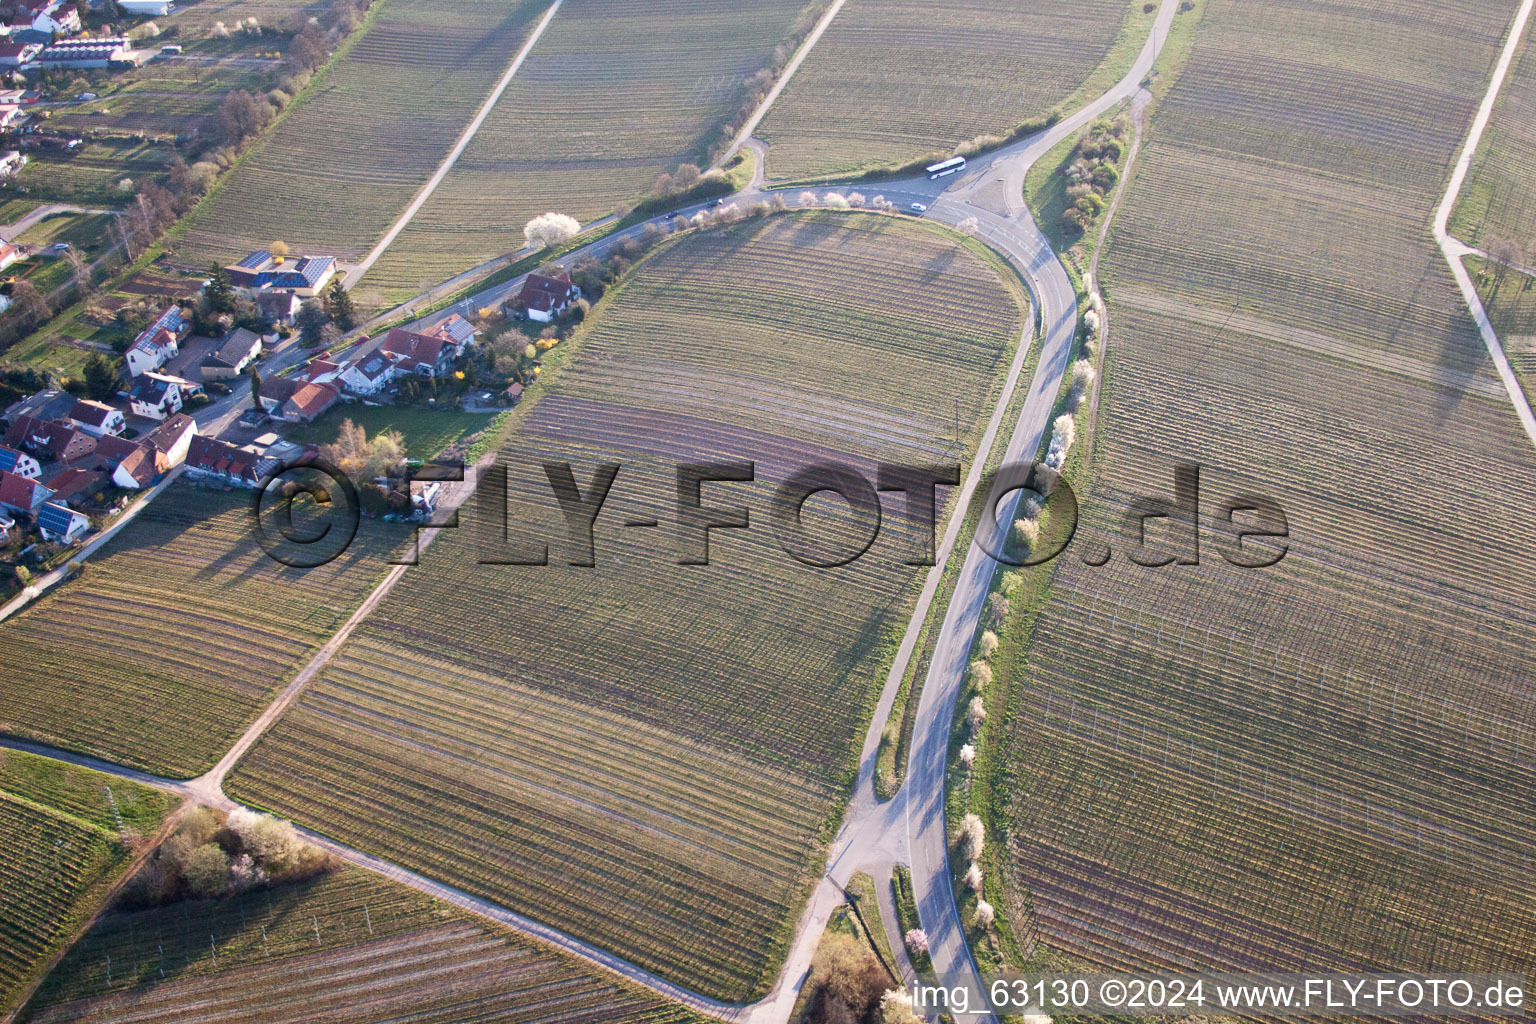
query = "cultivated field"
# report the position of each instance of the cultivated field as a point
(177, 634)
(892, 80)
(198, 17)
(334, 174)
(350, 946)
(614, 94)
(1510, 300)
(63, 848)
(1326, 763)
(646, 753)
(1496, 202)
(163, 99)
(93, 175)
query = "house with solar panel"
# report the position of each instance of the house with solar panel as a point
(305, 276)
(61, 524)
(157, 343)
(19, 462)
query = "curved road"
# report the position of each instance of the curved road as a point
(875, 836)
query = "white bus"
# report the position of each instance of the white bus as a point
(944, 168)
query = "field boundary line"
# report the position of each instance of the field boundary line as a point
(778, 87)
(1454, 249)
(468, 136)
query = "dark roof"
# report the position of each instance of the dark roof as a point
(233, 349)
(94, 413)
(256, 260)
(412, 349)
(54, 439)
(279, 389)
(45, 405)
(56, 518)
(73, 482)
(167, 434)
(546, 292)
(217, 456)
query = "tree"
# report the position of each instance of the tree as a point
(362, 457)
(100, 377)
(312, 320)
(338, 305)
(206, 870)
(1505, 253)
(279, 249)
(255, 388)
(550, 229)
(79, 272)
(28, 307)
(219, 294)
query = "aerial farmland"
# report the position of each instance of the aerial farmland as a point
(796, 512)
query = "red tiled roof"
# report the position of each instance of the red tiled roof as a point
(72, 483)
(312, 399)
(411, 349)
(545, 293)
(19, 492)
(217, 456)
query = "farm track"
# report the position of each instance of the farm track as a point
(874, 835)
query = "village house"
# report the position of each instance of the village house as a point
(368, 374)
(97, 418)
(18, 494)
(296, 400)
(157, 343)
(130, 463)
(20, 463)
(156, 395)
(7, 524)
(544, 297)
(422, 354)
(50, 441)
(456, 331)
(10, 116)
(10, 255)
(232, 355)
(171, 440)
(281, 308)
(50, 16)
(61, 524)
(211, 459)
(303, 276)
(16, 52)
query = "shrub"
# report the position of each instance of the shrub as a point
(976, 713)
(973, 877)
(985, 915)
(896, 1008)
(981, 675)
(973, 837)
(968, 756)
(846, 981)
(997, 609)
(916, 941)
(834, 201)
(206, 870)
(970, 225)
(807, 198)
(987, 645)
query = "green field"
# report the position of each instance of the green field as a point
(350, 947)
(643, 753)
(64, 830)
(1496, 202)
(614, 94)
(177, 634)
(335, 172)
(1323, 764)
(93, 175)
(427, 431)
(895, 80)
(167, 99)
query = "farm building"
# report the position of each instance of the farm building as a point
(158, 342)
(75, 485)
(51, 404)
(211, 459)
(101, 52)
(156, 395)
(422, 354)
(61, 524)
(18, 494)
(14, 52)
(544, 297)
(232, 355)
(97, 418)
(20, 463)
(302, 275)
(50, 440)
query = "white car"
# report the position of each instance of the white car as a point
(919, 208)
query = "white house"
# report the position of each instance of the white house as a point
(7, 524)
(157, 395)
(231, 356)
(369, 374)
(60, 523)
(10, 255)
(19, 463)
(156, 343)
(545, 296)
(97, 418)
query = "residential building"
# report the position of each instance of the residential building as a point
(455, 330)
(50, 440)
(158, 342)
(97, 418)
(171, 440)
(209, 458)
(309, 402)
(10, 255)
(423, 354)
(281, 307)
(368, 374)
(61, 524)
(305, 276)
(156, 395)
(131, 464)
(18, 494)
(545, 296)
(20, 463)
(232, 355)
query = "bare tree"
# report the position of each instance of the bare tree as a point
(1505, 253)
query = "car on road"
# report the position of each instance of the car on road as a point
(919, 208)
